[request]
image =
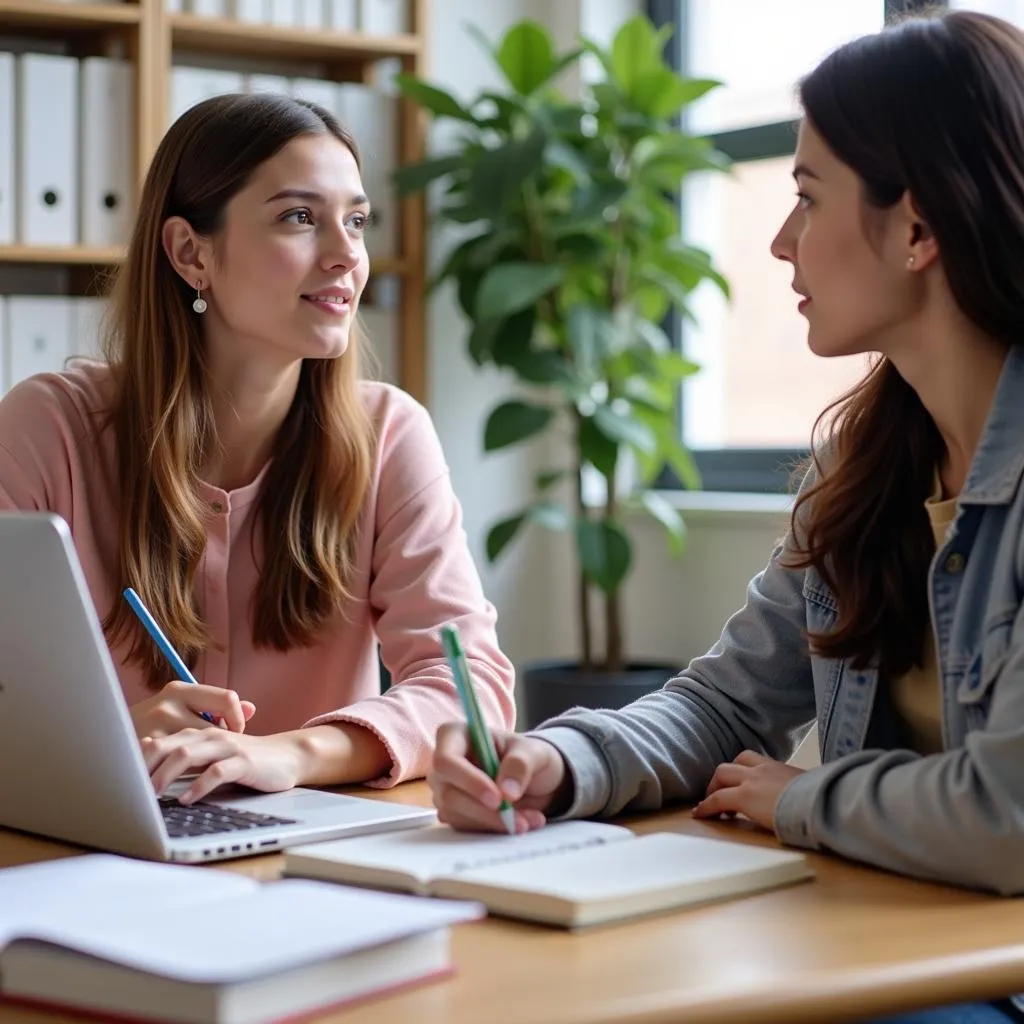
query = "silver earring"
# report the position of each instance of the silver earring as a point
(910, 262)
(199, 303)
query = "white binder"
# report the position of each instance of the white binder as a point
(46, 143)
(38, 335)
(269, 83)
(206, 8)
(284, 12)
(106, 168)
(319, 91)
(8, 199)
(372, 117)
(190, 86)
(384, 17)
(88, 315)
(343, 15)
(254, 12)
(310, 13)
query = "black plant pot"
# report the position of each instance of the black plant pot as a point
(551, 687)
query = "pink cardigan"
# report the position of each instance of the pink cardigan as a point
(413, 573)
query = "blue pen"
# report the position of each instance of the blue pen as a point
(178, 667)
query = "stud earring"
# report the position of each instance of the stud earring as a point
(910, 262)
(199, 303)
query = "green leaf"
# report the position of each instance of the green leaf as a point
(636, 49)
(681, 461)
(669, 517)
(596, 447)
(501, 534)
(674, 366)
(510, 287)
(481, 341)
(588, 328)
(500, 172)
(512, 422)
(468, 289)
(505, 109)
(546, 480)
(698, 87)
(692, 265)
(604, 552)
(527, 57)
(541, 366)
(414, 177)
(550, 516)
(437, 101)
(652, 335)
(658, 92)
(618, 426)
(511, 339)
(675, 290)
(560, 154)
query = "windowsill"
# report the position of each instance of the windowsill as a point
(728, 507)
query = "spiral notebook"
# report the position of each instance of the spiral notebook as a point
(571, 874)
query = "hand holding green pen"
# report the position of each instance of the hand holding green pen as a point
(480, 735)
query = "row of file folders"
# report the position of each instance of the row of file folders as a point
(374, 17)
(42, 333)
(66, 143)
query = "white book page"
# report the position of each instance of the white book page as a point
(275, 927)
(660, 861)
(94, 887)
(436, 851)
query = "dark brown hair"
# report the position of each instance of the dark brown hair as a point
(162, 417)
(934, 107)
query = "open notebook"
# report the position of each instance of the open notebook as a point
(572, 874)
(107, 936)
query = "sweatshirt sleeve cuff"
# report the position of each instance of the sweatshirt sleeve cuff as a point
(792, 820)
(380, 723)
(592, 781)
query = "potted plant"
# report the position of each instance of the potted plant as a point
(570, 258)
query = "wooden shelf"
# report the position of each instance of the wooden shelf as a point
(58, 255)
(51, 14)
(226, 36)
(392, 266)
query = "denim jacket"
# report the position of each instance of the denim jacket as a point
(956, 816)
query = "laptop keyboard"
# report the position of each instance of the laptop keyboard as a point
(203, 819)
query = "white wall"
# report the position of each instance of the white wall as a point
(674, 608)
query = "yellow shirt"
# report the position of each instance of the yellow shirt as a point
(917, 696)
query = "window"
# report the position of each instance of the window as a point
(747, 415)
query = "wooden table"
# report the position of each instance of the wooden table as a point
(854, 944)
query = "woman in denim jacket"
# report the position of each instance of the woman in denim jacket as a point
(891, 614)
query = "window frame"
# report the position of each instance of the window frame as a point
(734, 469)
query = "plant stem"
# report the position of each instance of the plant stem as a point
(583, 592)
(612, 611)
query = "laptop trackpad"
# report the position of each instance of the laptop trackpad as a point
(296, 803)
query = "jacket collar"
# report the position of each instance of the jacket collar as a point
(998, 464)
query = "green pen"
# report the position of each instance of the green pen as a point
(479, 734)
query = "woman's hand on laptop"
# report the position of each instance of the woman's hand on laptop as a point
(179, 705)
(268, 763)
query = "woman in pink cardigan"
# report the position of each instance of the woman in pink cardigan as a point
(278, 515)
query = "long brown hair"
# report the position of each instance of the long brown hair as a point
(311, 497)
(933, 106)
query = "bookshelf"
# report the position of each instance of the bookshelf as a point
(151, 39)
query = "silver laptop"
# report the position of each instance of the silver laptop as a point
(69, 757)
